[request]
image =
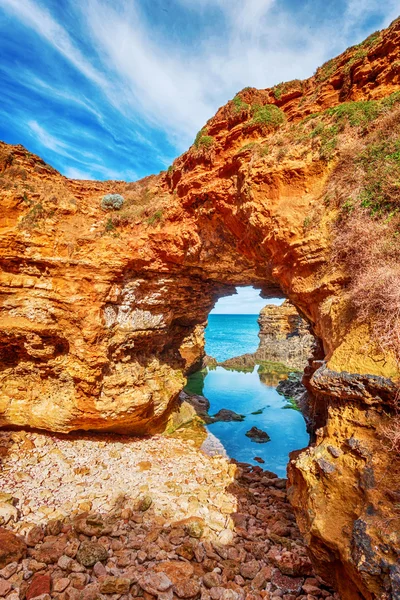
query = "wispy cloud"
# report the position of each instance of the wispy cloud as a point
(129, 83)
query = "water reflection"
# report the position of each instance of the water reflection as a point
(253, 394)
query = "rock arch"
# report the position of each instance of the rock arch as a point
(102, 313)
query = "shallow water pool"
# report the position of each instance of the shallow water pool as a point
(245, 393)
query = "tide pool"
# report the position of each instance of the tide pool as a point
(246, 393)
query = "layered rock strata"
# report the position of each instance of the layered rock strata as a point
(101, 310)
(285, 336)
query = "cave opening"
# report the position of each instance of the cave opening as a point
(256, 351)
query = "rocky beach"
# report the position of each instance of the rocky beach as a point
(87, 518)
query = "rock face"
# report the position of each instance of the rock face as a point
(102, 312)
(285, 336)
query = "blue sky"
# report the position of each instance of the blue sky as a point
(247, 301)
(118, 88)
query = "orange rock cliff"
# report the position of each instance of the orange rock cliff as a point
(103, 311)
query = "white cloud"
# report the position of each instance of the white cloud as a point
(246, 301)
(154, 78)
(73, 173)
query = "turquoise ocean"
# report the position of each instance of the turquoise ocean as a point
(245, 393)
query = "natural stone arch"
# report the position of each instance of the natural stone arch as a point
(94, 315)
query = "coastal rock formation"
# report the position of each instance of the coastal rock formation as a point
(285, 336)
(102, 310)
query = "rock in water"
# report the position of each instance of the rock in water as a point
(226, 415)
(258, 435)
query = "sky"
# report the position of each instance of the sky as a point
(116, 89)
(246, 301)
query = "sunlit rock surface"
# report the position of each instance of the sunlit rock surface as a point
(285, 336)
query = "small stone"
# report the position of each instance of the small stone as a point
(225, 537)
(195, 528)
(59, 585)
(34, 536)
(99, 570)
(92, 525)
(311, 589)
(90, 553)
(259, 459)
(64, 562)
(54, 527)
(250, 569)
(145, 503)
(49, 552)
(5, 587)
(175, 570)
(12, 548)
(90, 592)
(115, 585)
(40, 585)
(211, 580)
(153, 582)
(187, 588)
(287, 584)
(186, 551)
(9, 570)
(336, 452)
(8, 512)
(326, 466)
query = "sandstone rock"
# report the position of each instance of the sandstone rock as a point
(12, 548)
(7, 513)
(5, 587)
(187, 588)
(119, 365)
(92, 525)
(115, 585)
(34, 536)
(90, 553)
(59, 585)
(154, 582)
(39, 585)
(250, 569)
(175, 570)
(285, 336)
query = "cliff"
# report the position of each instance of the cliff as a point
(101, 309)
(285, 336)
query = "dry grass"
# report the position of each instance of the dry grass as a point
(365, 187)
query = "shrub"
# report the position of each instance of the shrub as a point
(239, 104)
(366, 186)
(36, 214)
(202, 140)
(112, 202)
(323, 73)
(355, 113)
(110, 225)
(268, 115)
(155, 218)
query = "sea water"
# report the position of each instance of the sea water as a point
(247, 393)
(231, 335)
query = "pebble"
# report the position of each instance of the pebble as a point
(124, 518)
